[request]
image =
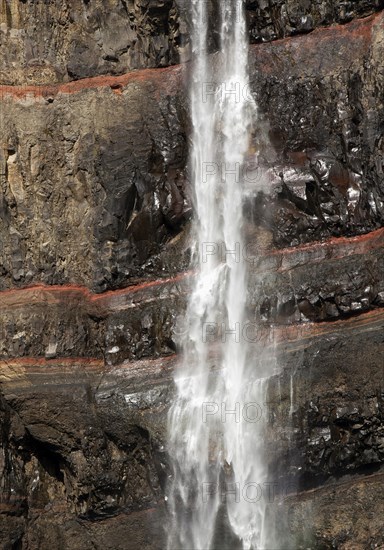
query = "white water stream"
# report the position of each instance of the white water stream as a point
(218, 464)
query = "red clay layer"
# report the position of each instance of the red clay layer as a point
(305, 331)
(355, 27)
(372, 237)
(317, 44)
(9, 368)
(334, 248)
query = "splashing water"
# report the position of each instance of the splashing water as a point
(218, 467)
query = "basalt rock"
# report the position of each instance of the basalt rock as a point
(74, 472)
(108, 157)
(46, 42)
(84, 445)
(326, 126)
(107, 162)
(321, 282)
(271, 19)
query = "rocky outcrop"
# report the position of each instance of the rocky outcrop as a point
(327, 281)
(62, 479)
(106, 158)
(326, 125)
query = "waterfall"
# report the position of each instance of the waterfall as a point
(214, 425)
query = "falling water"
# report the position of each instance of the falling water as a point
(217, 455)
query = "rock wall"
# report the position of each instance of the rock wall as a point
(94, 256)
(271, 19)
(52, 41)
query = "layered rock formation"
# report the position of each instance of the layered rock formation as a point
(95, 208)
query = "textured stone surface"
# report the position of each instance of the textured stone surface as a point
(325, 409)
(346, 515)
(53, 41)
(270, 19)
(316, 282)
(71, 459)
(325, 121)
(86, 442)
(90, 182)
(107, 157)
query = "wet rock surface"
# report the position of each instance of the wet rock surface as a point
(325, 409)
(320, 282)
(326, 127)
(268, 20)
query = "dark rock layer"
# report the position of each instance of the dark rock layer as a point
(271, 19)
(327, 281)
(326, 123)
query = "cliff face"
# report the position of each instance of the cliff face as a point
(95, 208)
(46, 42)
(271, 19)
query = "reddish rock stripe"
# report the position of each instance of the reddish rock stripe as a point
(357, 32)
(373, 239)
(356, 27)
(56, 294)
(296, 336)
(15, 370)
(58, 362)
(136, 288)
(304, 331)
(81, 361)
(334, 248)
(326, 47)
(164, 77)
